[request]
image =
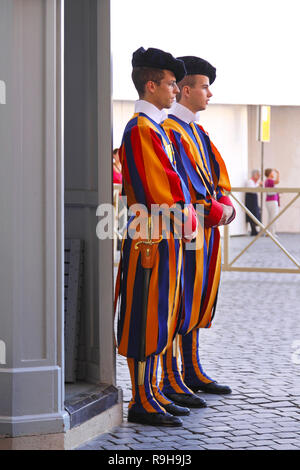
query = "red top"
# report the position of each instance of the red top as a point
(269, 183)
(117, 177)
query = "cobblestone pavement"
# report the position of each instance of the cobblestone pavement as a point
(253, 346)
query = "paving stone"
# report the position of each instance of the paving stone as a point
(105, 440)
(259, 401)
(115, 447)
(291, 441)
(146, 439)
(147, 432)
(285, 435)
(227, 408)
(141, 446)
(215, 440)
(264, 430)
(276, 404)
(260, 448)
(238, 444)
(193, 444)
(216, 447)
(284, 447)
(260, 437)
(128, 440)
(222, 428)
(243, 432)
(263, 442)
(213, 433)
(187, 448)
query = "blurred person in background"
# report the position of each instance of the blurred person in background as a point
(117, 167)
(272, 199)
(251, 201)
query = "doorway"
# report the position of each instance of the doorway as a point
(89, 350)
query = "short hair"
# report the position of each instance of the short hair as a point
(254, 172)
(268, 171)
(188, 80)
(141, 75)
(115, 151)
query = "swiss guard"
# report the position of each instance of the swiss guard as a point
(149, 282)
(208, 182)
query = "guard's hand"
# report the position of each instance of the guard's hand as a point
(190, 229)
(190, 238)
(227, 214)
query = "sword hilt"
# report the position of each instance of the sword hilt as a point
(148, 242)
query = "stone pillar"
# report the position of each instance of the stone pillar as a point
(81, 167)
(31, 207)
(106, 283)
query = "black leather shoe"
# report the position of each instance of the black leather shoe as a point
(192, 401)
(212, 387)
(153, 419)
(176, 410)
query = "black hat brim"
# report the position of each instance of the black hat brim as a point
(158, 59)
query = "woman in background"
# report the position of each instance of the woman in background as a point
(272, 199)
(117, 167)
(117, 179)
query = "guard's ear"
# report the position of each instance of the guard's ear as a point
(185, 91)
(150, 86)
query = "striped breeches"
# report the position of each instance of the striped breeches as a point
(171, 378)
(192, 371)
(146, 398)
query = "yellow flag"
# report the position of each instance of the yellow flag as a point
(265, 120)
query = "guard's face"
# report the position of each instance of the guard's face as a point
(165, 92)
(200, 93)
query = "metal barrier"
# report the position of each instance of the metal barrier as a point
(228, 266)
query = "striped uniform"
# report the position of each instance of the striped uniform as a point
(208, 180)
(149, 177)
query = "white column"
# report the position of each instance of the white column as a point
(31, 241)
(106, 284)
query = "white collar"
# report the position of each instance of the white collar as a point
(157, 115)
(183, 113)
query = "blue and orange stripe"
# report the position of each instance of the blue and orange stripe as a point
(143, 400)
(150, 177)
(192, 371)
(171, 378)
(204, 170)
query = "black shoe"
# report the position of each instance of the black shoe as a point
(212, 387)
(176, 410)
(153, 419)
(192, 401)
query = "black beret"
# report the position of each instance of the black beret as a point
(155, 58)
(196, 66)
